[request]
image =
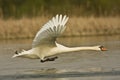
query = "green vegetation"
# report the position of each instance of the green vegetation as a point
(33, 8)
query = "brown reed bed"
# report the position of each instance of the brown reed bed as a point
(76, 26)
(87, 26)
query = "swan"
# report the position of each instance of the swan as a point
(45, 45)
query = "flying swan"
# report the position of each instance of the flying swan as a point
(45, 45)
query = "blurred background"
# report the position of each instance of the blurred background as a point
(34, 8)
(87, 17)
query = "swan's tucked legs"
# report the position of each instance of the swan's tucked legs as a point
(49, 59)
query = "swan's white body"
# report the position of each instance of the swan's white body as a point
(44, 43)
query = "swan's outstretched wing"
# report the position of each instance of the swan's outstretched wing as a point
(50, 31)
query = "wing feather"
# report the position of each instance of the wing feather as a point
(63, 20)
(50, 31)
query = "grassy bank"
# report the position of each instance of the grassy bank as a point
(76, 26)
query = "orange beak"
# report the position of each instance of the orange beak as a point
(103, 48)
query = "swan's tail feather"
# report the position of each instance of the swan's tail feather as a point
(15, 55)
(18, 54)
(26, 54)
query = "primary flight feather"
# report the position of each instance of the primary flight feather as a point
(50, 31)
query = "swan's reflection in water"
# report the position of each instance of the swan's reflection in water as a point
(61, 71)
(55, 74)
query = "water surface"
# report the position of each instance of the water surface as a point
(90, 65)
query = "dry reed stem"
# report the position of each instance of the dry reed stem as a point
(76, 26)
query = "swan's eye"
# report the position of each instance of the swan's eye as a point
(103, 48)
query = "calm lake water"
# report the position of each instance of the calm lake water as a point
(83, 65)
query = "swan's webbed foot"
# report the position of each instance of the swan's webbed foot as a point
(16, 52)
(49, 59)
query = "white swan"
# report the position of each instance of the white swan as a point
(45, 45)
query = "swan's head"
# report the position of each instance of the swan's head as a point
(102, 48)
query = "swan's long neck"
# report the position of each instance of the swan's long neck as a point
(72, 49)
(80, 48)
